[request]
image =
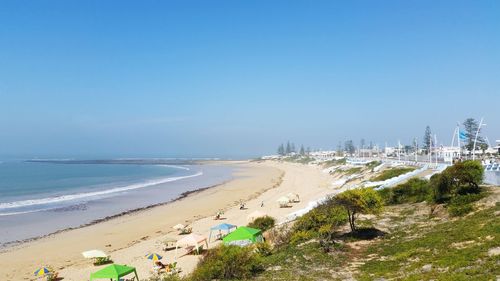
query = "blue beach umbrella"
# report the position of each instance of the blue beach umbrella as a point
(42, 271)
(154, 257)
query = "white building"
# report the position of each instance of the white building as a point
(448, 153)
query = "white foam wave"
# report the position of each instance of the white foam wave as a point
(177, 167)
(70, 197)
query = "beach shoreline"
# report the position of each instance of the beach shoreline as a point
(5, 246)
(129, 237)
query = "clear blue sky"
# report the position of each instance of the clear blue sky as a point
(236, 78)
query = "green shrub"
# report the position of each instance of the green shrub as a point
(301, 236)
(373, 164)
(263, 249)
(460, 179)
(413, 191)
(440, 185)
(226, 263)
(462, 204)
(353, 171)
(459, 210)
(334, 162)
(325, 214)
(263, 223)
(391, 173)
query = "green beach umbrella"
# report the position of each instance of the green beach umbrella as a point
(114, 272)
(243, 233)
(154, 257)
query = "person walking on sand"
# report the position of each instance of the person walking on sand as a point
(262, 204)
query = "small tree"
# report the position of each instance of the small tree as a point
(302, 150)
(427, 139)
(461, 178)
(288, 149)
(349, 147)
(281, 150)
(359, 201)
(471, 127)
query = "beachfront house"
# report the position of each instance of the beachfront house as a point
(448, 153)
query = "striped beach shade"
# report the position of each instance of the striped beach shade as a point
(154, 257)
(42, 271)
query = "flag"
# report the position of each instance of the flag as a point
(463, 136)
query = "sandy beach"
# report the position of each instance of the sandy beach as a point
(127, 239)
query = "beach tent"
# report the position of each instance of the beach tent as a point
(114, 272)
(193, 240)
(243, 235)
(221, 227)
(256, 214)
(294, 197)
(283, 202)
(92, 254)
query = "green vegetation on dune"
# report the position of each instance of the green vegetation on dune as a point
(391, 173)
(373, 164)
(431, 240)
(307, 261)
(352, 171)
(330, 163)
(262, 223)
(456, 250)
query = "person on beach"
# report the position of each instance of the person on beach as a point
(262, 204)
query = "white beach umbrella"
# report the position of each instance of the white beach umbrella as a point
(283, 200)
(94, 254)
(294, 197)
(179, 226)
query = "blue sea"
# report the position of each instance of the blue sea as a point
(38, 198)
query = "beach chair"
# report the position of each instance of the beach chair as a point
(186, 230)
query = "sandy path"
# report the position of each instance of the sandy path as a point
(133, 236)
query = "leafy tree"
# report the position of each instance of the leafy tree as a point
(308, 150)
(359, 201)
(288, 148)
(302, 151)
(427, 139)
(281, 150)
(471, 126)
(349, 147)
(407, 149)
